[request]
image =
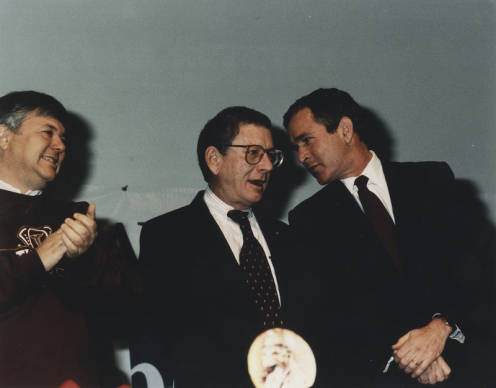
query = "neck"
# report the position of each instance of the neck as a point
(6, 185)
(224, 198)
(359, 158)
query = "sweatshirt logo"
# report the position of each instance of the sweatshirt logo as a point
(33, 237)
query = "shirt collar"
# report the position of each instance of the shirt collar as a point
(218, 205)
(8, 187)
(373, 170)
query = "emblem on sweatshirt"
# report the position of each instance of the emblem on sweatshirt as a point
(33, 237)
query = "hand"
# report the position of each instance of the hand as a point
(51, 250)
(438, 371)
(418, 348)
(78, 233)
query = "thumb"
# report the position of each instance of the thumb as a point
(91, 211)
(401, 341)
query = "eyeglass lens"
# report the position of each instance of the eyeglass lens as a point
(254, 155)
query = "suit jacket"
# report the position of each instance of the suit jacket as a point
(350, 302)
(200, 314)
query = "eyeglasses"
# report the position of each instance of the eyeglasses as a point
(254, 154)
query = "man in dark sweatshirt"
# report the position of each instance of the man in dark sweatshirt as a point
(51, 271)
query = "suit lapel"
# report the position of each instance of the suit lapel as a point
(214, 249)
(404, 209)
(405, 212)
(394, 183)
(354, 226)
(343, 205)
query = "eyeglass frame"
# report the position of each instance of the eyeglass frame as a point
(265, 151)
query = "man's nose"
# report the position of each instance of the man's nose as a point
(265, 164)
(302, 154)
(58, 143)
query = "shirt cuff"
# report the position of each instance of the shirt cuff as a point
(456, 334)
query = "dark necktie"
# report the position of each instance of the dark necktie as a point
(379, 218)
(256, 273)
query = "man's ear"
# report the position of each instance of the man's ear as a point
(214, 159)
(346, 129)
(5, 135)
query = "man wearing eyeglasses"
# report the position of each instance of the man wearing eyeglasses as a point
(212, 267)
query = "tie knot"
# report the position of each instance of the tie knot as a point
(361, 182)
(238, 216)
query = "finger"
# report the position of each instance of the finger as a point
(71, 231)
(405, 354)
(440, 374)
(69, 245)
(84, 226)
(397, 358)
(420, 367)
(444, 366)
(91, 211)
(401, 341)
(424, 377)
(412, 365)
(86, 221)
(405, 360)
(431, 377)
(421, 379)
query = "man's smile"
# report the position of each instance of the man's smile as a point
(52, 159)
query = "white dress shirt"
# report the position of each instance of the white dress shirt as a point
(8, 187)
(232, 232)
(376, 184)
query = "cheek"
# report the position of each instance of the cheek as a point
(315, 152)
(247, 172)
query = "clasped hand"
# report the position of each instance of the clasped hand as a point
(418, 352)
(72, 239)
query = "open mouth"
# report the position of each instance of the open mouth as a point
(258, 182)
(53, 160)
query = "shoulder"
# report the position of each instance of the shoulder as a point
(169, 217)
(314, 203)
(178, 216)
(271, 224)
(174, 223)
(420, 171)
(425, 167)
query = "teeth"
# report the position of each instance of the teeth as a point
(50, 159)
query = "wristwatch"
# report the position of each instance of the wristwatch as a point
(456, 333)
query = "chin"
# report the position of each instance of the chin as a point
(321, 179)
(255, 198)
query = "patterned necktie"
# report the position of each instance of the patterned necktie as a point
(256, 272)
(379, 218)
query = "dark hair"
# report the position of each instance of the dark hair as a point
(223, 128)
(328, 107)
(15, 106)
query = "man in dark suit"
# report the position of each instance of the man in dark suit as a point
(376, 282)
(208, 300)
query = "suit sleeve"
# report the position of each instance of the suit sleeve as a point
(153, 337)
(451, 224)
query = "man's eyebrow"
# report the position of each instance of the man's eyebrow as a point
(54, 128)
(299, 138)
(50, 126)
